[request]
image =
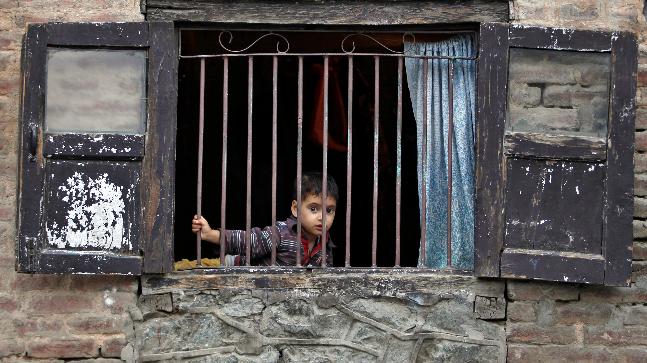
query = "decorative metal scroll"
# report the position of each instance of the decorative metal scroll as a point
(362, 35)
(226, 37)
(266, 35)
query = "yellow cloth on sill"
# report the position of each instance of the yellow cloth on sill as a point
(185, 264)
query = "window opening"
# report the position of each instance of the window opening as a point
(313, 108)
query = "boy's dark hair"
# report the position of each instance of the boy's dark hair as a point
(312, 183)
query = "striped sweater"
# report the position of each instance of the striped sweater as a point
(286, 247)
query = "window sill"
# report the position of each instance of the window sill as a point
(372, 281)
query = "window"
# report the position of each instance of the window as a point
(125, 171)
(370, 79)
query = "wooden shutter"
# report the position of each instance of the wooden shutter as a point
(97, 148)
(555, 130)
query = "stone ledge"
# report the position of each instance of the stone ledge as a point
(378, 282)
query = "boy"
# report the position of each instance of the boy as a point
(286, 244)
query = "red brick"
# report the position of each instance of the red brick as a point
(118, 302)
(95, 324)
(10, 39)
(640, 163)
(8, 304)
(626, 336)
(9, 86)
(61, 303)
(556, 353)
(11, 347)
(7, 213)
(111, 347)
(630, 355)
(642, 75)
(38, 327)
(641, 140)
(101, 283)
(532, 334)
(527, 290)
(63, 348)
(522, 311)
(640, 251)
(27, 282)
(639, 229)
(641, 118)
(587, 313)
(613, 295)
(641, 96)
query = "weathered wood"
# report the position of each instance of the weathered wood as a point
(490, 122)
(619, 192)
(101, 197)
(560, 39)
(344, 12)
(31, 173)
(94, 146)
(554, 266)
(159, 164)
(525, 144)
(56, 261)
(554, 205)
(101, 193)
(413, 282)
(98, 34)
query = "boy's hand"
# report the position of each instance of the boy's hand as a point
(206, 233)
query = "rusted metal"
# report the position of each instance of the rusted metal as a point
(324, 55)
(376, 135)
(248, 202)
(299, 153)
(200, 154)
(349, 158)
(398, 168)
(275, 66)
(223, 184)
(450, 150)
(324, 188)
(423, 204)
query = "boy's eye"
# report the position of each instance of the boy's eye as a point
(314, 209)
(330, 210)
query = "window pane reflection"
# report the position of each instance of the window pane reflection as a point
(558, 92)
(96, 90)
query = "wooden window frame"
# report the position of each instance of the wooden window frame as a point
(615, 267)
(153, 223)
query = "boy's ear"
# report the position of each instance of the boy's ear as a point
(294, 208)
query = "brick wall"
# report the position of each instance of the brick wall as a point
(63, 317)
(549, 322)
(51, 316)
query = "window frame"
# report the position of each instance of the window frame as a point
(152, 154)
(490, 261)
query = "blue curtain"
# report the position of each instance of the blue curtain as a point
(433, 176)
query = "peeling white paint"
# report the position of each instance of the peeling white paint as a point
(95, 214)
(577, 190)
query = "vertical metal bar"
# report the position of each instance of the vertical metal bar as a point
(223, 183)
(423, 209)
(200, 152)
(376, 133)
(450, 141)
(349, 158)
(248, 203)
(299, 154)
(324, 188)
(398, 168)
(275, 66)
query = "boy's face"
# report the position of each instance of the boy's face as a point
(312, 214)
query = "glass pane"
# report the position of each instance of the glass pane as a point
(558, 92)
(96, 90)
